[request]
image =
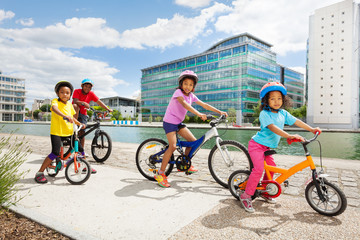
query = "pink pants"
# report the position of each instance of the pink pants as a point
(257, 155)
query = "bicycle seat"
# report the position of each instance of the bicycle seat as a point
(269, 152)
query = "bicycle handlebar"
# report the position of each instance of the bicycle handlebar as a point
(215, 121)
(307, 141)
(76, 127)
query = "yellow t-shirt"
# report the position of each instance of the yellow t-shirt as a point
(59, 126)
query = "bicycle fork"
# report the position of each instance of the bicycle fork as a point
(224, 154)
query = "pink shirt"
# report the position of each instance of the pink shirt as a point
(175, 112)
(84, 98)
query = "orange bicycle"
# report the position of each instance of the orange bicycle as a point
(323, 196)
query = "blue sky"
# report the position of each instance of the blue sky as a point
(110, 41)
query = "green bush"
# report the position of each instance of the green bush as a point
(12, 155)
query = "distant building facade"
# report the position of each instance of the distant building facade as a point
(231, 74)
(333, 66)
(12, 98)
(128, 107)
(38, 103)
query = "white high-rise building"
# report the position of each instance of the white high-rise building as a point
(12, 98)
(333, 66)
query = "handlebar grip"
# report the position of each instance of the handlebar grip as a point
(209, 117)
(317, 132)
(290, 141)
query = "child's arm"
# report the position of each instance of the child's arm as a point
(210, 108)
(188, 107)
(101, 104)
(282, 133)
(303, 125)
(56, 110)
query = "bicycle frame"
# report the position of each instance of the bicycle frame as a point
(286, 173)
(195, 145)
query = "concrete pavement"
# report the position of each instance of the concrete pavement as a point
(119, 203)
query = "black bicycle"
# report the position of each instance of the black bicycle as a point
(101, 144)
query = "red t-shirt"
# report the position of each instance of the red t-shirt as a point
(84, 98)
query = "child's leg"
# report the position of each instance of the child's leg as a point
(171, 136)
(269, 161)
(256, 152)
(187, 134)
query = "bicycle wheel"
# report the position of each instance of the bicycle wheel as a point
(236, 158)
(101, 147)
(147, 165)
(81, 175)
(335, 201)
(237, 182)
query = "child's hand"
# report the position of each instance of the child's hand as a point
(314, 130)
(69, 118)
(83, 125)
(296, 136)
(223, 113)
(202, 116)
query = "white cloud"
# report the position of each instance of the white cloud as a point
(28, 22)
(42, 68)
(193, 3)
(171, 32)
(6, 15)
(282, 23)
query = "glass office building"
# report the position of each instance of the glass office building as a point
(231, 74)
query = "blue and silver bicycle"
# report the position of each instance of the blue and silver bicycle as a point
(224, 158)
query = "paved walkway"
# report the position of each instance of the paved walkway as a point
(118, 203)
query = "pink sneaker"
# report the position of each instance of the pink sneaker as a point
(246, 203)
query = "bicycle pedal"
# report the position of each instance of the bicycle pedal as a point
(286, 183)
(188, 173)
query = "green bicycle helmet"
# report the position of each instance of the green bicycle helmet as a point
(64, 83)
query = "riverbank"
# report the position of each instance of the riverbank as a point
(197, 125)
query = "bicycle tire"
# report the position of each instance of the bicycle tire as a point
(80, 177)
(143, 162)
(335, 200)
(101, 147)
(236, 178)
(239, 160)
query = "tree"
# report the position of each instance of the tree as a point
(36, 114)
(45, 108)
(232, 112)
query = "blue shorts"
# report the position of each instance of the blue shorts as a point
(169, 127)
(83, 118)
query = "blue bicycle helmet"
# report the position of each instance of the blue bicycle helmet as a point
(87, 80)
(272, 86)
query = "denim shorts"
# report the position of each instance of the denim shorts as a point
(83, 118)
(169, 127)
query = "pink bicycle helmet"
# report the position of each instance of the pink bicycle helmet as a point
(189, 74)
(272, 86)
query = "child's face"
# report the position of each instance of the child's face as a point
(86, 88)
(275, 100)
(187, 85)
(64, 94)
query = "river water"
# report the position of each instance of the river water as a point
(344, 145)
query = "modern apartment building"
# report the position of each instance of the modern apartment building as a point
(231, 74)
(12, 98)
(333, 66)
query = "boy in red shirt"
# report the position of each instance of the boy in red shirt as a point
(81, 99)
